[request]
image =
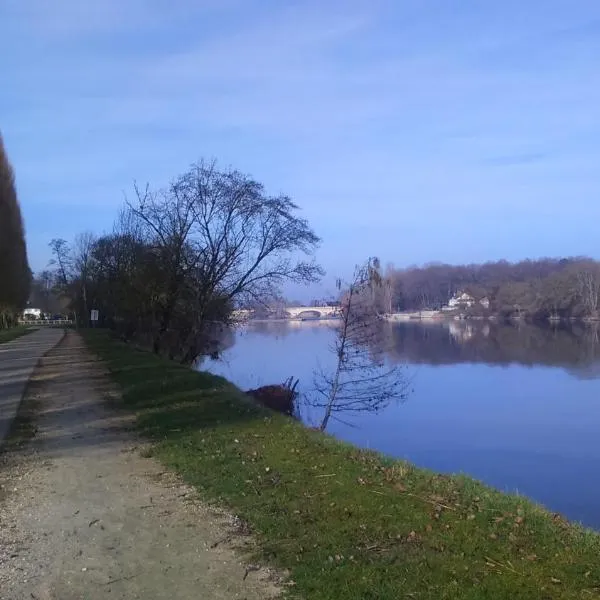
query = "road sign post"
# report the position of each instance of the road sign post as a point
(94, 314)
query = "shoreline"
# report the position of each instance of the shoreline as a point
(343, 521)
(436, 316)
(444, 316)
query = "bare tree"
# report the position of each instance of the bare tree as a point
(43, 293)
(416, 288)
(219, 240)
(360, 381)
(183, 257)
(588, 279)
(81, 260)
(387, 290)
(62, 261)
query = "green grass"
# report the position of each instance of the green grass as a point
(348, 523)
(7, 335)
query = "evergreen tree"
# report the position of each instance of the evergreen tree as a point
(15, 276)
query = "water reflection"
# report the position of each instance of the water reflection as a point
(575, 347)
(287, 328)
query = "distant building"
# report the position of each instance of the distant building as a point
(32, 313)
(460, 300)
(463, 300)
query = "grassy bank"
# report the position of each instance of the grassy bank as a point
(348, 523)
(7, 335)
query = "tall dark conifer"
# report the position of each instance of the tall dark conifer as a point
(15, 276)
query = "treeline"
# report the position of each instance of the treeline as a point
(15, 275)
(43, 295)
(181, 258)
(536, 289)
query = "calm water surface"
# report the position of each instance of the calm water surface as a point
(515, 406)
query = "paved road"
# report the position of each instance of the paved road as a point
(17, 361)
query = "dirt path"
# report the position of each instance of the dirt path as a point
(84, 516)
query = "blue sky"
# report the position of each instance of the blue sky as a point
(415, 131)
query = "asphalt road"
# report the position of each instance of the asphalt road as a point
(17, 361)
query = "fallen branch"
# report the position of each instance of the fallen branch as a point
(122, 578)
(430, 501)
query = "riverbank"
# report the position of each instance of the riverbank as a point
(348, 523)
(441, 315)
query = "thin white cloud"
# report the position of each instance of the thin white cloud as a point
(63, 20)
(341, 104)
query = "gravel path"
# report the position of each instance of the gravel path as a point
(84, 516)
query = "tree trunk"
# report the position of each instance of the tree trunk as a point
(340, 361)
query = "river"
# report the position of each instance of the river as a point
(516, 406)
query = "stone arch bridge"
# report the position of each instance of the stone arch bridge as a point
(312, 312)
(299, 312)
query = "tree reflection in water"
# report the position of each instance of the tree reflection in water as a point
(572, 346)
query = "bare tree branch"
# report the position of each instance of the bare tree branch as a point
(361, 381)
(182, 257)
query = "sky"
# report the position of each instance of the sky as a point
(415, 130)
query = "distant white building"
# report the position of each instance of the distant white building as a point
(461, 300)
